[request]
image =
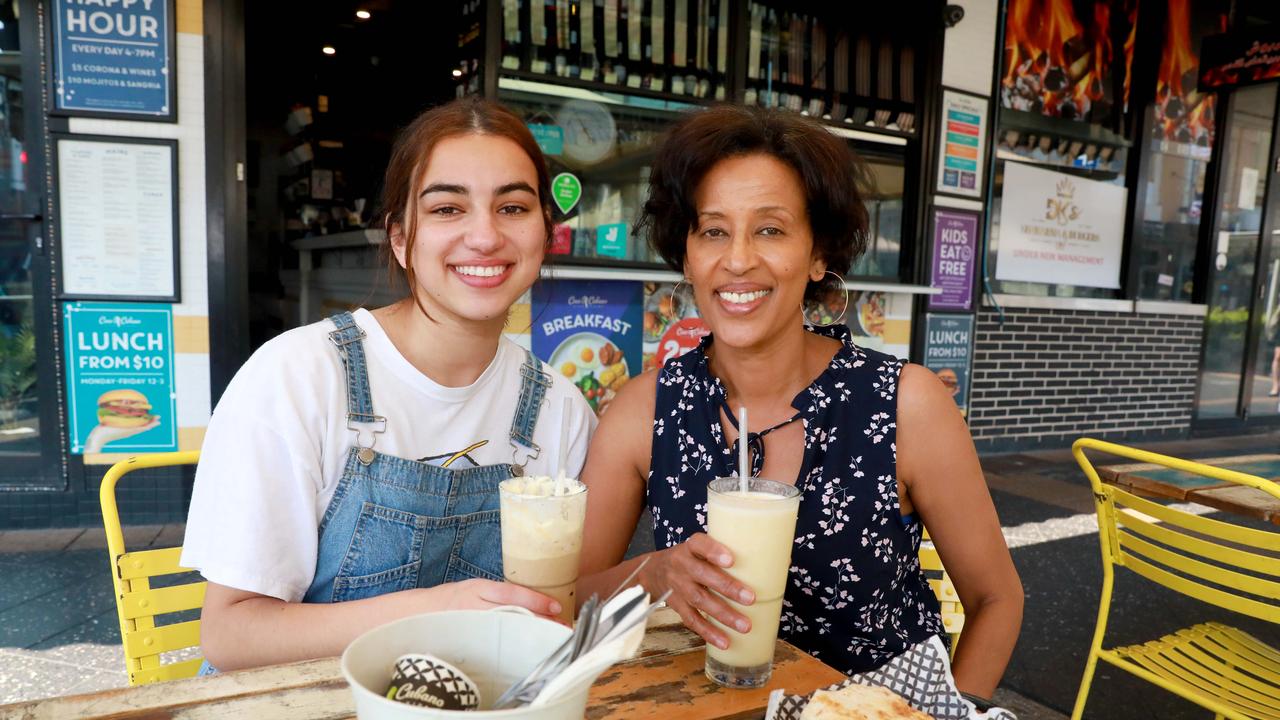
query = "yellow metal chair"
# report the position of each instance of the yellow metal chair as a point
(137, 603)
(940, 581)
(1215, 666)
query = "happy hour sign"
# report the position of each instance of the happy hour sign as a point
(955, 242)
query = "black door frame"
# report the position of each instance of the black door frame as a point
(49, 471)
(1241, 420)
(226, 193)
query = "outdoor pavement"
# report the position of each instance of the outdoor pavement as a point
(59, 635)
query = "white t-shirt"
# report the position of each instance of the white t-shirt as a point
(278, 442)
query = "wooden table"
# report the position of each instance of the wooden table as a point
(1151, 480)
(664, 681)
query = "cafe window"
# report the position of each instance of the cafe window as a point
(1063, 93)
(600, 85)
(1180, 130)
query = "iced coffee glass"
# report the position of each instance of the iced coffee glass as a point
(542, 536)
(758, 527)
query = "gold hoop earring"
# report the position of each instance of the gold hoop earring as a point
(844, 311)
(671, 295)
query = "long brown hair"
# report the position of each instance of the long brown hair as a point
(412, 151)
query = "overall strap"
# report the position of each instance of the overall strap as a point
(348, 338)
(533, 389)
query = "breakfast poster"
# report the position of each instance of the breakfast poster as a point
(120, 391)
(590, 331)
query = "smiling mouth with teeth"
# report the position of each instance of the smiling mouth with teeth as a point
(743, 298)
(481, 270)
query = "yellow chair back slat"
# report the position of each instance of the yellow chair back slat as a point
(1216, 562)
(1201, 592)
(163, 639)
(1227, 532)
(1191, 544)
(151, 563)
(159, 601)
(1250, 584)
(137, 603)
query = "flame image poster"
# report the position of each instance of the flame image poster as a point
(1059, 229)
(589, 331)
(1061, 57)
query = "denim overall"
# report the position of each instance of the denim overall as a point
(396, 524)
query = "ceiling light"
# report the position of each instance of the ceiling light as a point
(363, 14)
(328, 50)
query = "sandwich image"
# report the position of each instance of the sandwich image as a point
(123, 409)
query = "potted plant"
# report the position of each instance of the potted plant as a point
(17, 372)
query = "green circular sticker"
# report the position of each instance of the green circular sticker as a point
(566, 190)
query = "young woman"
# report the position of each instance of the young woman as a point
(758, 209)
(349, 475)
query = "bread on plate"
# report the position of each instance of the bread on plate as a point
(860, 702)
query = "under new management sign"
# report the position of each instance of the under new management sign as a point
(1059, 229)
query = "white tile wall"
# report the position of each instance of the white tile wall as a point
(191, 370)
(191, 376)
(968, 57)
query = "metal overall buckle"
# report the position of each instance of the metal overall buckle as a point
(365, 452)
(517, 468)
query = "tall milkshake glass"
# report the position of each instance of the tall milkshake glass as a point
(542, 536)
(758, 527)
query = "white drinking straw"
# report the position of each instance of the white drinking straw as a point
(564, 445)
(744, 468)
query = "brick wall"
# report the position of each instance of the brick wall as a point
(1045, 377)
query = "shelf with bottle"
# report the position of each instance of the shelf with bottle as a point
(664, 47)
(1082, 148)
(820, 64)
(314, 190)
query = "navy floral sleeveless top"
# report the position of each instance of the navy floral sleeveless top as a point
(855, 595)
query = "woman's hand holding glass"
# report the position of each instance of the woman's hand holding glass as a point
(694, 573)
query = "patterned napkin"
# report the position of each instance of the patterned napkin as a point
(922, 675)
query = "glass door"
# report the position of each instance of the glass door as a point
(29, 435)
(1264, 393)
(1240, 373)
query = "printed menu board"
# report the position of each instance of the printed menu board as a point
(117, 218)
(963, 143)
(590, 331)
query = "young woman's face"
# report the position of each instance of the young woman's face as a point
(480, 236)
(751, 255)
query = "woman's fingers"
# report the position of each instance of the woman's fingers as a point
(706, 570)
(702, 545)
(502, 593)
(697, 623)
(714, 606)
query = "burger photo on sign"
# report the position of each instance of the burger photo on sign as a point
(123, 409)
(122, 414)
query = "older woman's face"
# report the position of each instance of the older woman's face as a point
(751, 254)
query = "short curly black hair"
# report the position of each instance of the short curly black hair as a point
(830, 172)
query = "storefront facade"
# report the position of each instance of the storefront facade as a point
(1071, 242)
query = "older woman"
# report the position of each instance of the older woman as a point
(759, 210)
